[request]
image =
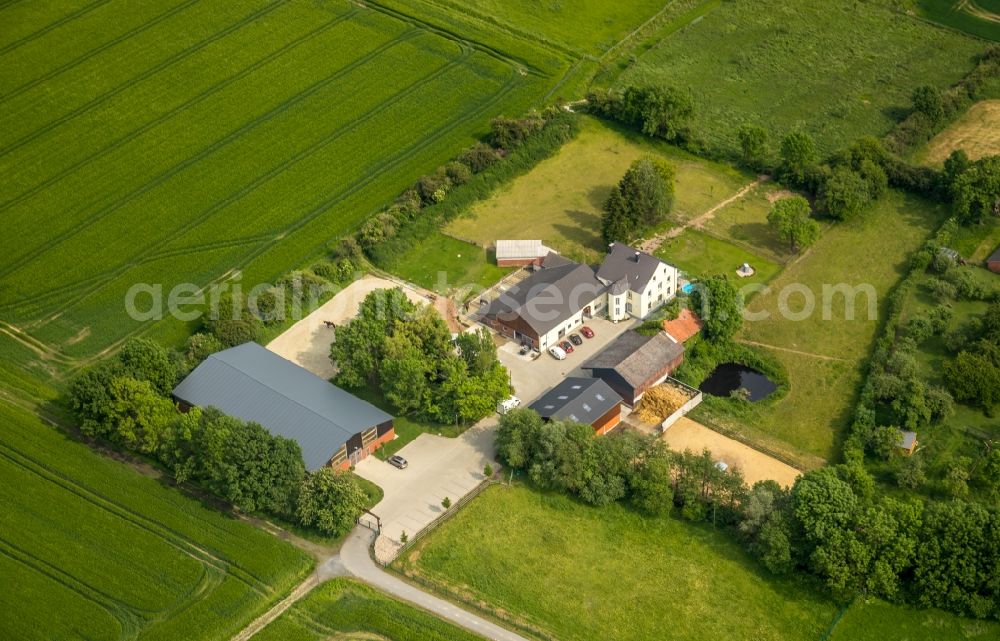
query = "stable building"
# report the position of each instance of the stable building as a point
(633, 363)
(332, 427)
(519, 253)
(582, 400)
(547, 305)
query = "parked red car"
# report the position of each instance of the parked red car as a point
(567, 347)
(586, 331)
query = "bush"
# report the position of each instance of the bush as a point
(479, 157)
(429, 186)
(458, 173)
(511, 133)
(330, 501)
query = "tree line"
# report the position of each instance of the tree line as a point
(126, 401)
(830, 523)
(408, 353)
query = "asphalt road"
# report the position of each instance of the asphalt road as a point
(356, 560)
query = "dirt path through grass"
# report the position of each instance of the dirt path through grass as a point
(822, 357)
(698, 222)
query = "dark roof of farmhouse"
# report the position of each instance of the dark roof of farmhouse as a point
(549, 296)
(636, 357)
(995, 256)
(252, 383)
(624, 262)
(581, 400)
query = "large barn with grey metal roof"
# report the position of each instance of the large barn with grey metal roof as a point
(249, 382)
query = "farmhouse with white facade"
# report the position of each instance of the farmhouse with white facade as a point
(561, 295)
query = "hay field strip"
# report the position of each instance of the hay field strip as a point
(254, 137)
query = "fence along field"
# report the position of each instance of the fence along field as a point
(98, 552)
(176, 142)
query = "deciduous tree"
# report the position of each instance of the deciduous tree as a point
(790, 218)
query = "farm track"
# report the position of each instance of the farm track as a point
(190, 161)
(218, 206)
(93, 52)
(159, 530)
(49, 27)
(194, 100)
(450, 35)
(145, 75)
(129, 618)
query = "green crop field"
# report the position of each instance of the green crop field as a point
(824, 357)
(837, 69)
(609, 573)
(98, 552)
(345, 609)
(977, 17)
(169, 142)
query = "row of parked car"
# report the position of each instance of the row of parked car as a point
(560, 351)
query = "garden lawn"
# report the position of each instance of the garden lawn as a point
(99, 552)
(836, 69)
(560, 201)
(277, 127)
(578, 573)
(825, 357)
(700, 255)
(442, 263)
(345, 609)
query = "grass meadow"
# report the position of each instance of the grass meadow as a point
(837, 70)
(345, 609)
(575, 573)
(99, 552)
(441, 263)
(560, 201)
(553, 566)
(179, 141)
(824, 358)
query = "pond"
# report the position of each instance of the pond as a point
(729, 377)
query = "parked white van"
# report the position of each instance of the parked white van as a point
(507, 405)
(557, 353)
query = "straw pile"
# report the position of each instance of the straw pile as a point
(660, 402)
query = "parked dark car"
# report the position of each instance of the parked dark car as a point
(566, 347)
(525, 348)
(398, 461)
(575, 339)
(586, 331)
